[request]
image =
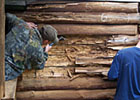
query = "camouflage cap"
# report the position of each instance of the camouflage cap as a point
(49, 33)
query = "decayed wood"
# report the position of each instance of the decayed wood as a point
(67, 95)
(47, 72)
(64, 29)
(91, 61)
(88, 7)
(122, 40)
(2, 48)
(92, 71)
(58, 56)
(95, 40)
(84, 18)
(64, 84)
(10, 90)
(66, 72)
(119, 47)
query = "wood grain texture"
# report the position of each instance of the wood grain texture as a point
(67, 95)
(67, 29)
(80, 18)
(2, 48)
(87, 7)
(10, 89)
(64, 84)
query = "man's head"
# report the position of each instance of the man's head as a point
(49, 33)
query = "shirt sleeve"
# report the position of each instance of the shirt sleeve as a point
(36, 57)
(114, 70)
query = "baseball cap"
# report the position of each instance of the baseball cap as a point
(49, 33)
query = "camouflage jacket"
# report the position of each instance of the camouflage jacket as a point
(23, 48)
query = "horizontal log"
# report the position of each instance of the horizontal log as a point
(88, 7)
(64, 29)
(122, 40)
(119, 47)
(67, 95)
(64, 84)
(66, 72)
(92, 61)
(92, 71)
(80, 18)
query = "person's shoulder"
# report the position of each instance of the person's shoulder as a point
(126, 50)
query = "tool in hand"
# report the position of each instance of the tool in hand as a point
(60, 38)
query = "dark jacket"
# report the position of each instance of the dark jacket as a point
(23, 48)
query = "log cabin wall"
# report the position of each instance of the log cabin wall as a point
(77, 67)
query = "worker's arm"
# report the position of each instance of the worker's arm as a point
(37, 56)
(114, 70)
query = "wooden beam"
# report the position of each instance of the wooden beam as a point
(124, 40)
(64, 84)
(106, 94)
(87, 7)
(65, 29)
(80, 18)
(2, 48)
(92, 71)
(10, 90)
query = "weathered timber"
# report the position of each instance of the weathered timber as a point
(67, 95)
(42, 2)
(65, 72)
(65, 55)
(95, 40)
(64, 84)
(119, 47)
(91, 61)
(88, 7)
(58, 61)
(10, 90)
(122, 40)
(83, 40)
(64, 29)
(2, 48)
(92, 71)
(80, 18)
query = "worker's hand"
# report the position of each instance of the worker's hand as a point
(47, 48)
(31, 25)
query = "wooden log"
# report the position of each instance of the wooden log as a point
(80, 18)
(88, 7)
(67, 95)
(64, 29)
(122, 40)
(2, 49)
(64, 84)
(92, 71)
(119, 47)
(91, 61)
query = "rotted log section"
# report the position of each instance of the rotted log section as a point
(88, 7)
(81, 18)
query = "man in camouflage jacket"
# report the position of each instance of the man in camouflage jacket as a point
(23, 46)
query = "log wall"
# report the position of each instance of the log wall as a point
(77, 67)
(2, 48)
